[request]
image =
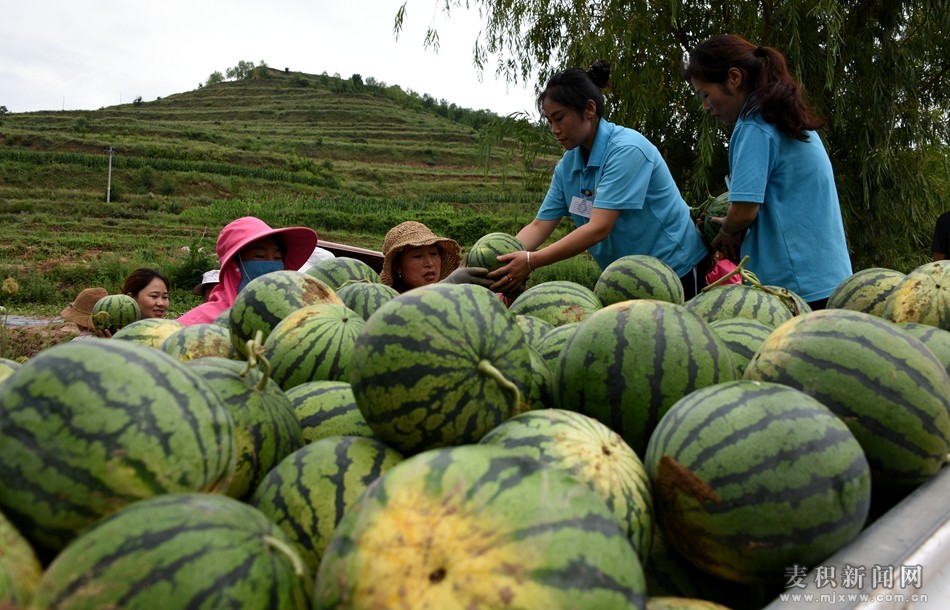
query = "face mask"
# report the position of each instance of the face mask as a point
(253, 269)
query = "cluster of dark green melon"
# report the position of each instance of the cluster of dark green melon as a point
(330, 443)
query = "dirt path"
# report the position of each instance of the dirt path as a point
(22, 337)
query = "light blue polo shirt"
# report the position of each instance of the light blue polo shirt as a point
(797, 241)
(626, 172)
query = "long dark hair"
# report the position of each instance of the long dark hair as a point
(572, 88)
(140, 278)
(773, 91)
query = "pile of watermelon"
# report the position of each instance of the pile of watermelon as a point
(604, 448)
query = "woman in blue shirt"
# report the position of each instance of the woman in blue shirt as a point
(615, 186)
(784, 213)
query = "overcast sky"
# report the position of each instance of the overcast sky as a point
(87, 54)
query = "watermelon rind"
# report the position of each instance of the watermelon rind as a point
(638, 276)
(890, 389)
(266, 428)
(339, 271)
(865, 290)
(922, 296)
(592, 453)
(309, 491)
(268, 299)
(487, 248)
(179, 551)
(557, 302)
(629, 362)
(440, 365)
(752, 477)
(473, 526)
(91, 426)
(327, 408)
(115, 311)
(20, 569)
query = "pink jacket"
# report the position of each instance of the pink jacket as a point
(299, 242)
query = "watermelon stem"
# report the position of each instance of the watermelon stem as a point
(255, 354)
(738, 270)
(487, 368)
(299, 568)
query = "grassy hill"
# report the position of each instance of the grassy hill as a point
(347, 159)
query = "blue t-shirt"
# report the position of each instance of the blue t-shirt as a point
(626, 172)
(797, 241)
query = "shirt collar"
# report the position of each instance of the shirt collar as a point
(597, 151)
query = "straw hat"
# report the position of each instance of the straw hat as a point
(79, 312)
(207, 278)
(411, 233)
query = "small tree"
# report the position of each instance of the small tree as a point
(215, 78)
(241, 71)
(3, 110)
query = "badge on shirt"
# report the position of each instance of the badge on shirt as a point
(581, 206)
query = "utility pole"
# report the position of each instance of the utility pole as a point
(109, 183)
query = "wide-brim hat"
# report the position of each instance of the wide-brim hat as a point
(79, 312)
(208, 278)
(411, 233)
(299, 242)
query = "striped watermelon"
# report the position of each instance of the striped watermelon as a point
(629, 362)
(439, 365)
(557, 302)
(533, 328)
(739, 301)
(7, 367)
(20, 569)
(923, 296)
(337, 272)
(366, 297)
(638, 276)
(885, 384)
(542, 382)
(268, 299)
(310, 490)
(327, 408)
(114, 311)
(179, 551)
(313, 343)
(865, 290)
(487, 248)
(199, 341)
(936, 339)
(551, 345)
(590, 452)
(753, 477)
(224, 318)
(743, 337)
(266, 429)
(717, 207)
(479, 526)
(148, 331)
(90, 426)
